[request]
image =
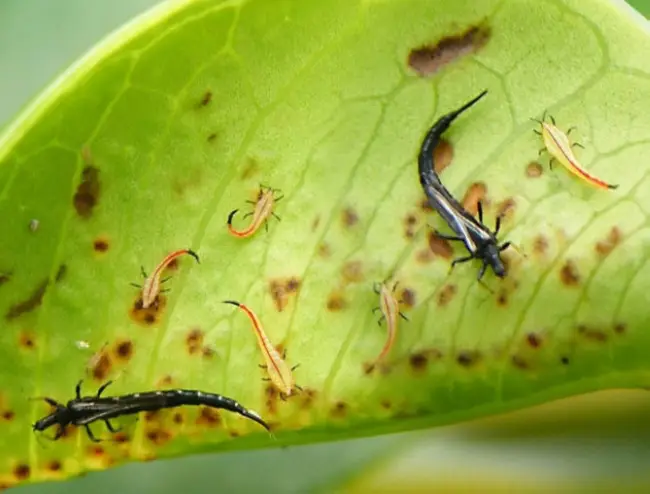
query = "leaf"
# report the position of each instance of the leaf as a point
(126, 158)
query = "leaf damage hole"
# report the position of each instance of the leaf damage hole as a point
(429, 59)
(87, 195)
(534, 170)
(281, 289)
(607, 245)
(569, 274)
(475, 193)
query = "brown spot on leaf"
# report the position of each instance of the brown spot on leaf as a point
(506, 208)
(165, 381)
(592, 334)
(534, 170)
(211, 137)
(425, 206)
(429, 59)
(177, 418)
(410, 223)
(124, 350)
(29, 304)
(569, 274)
(206, 99)
(386, 404)
(565, 360)
(350, 217)
(121, 437)
(54, 466)
(281, 289)
(315, 223)
(272, 396)
(468, 358)
(308, 396)
(26, 340)
(418, 361)
(5, 277)
(534, 340)
(502, 298)
(442, 155)
(150, 315)
(519, 362)
(475, 193)
(352, 272)
(194, 341)
(339, 409)
(87, 195)
(619, 328)
(22, 471)
(100, 245)
(540, 244)
(251, 167)
(96, 450)
(408, 297)
(439, 246)
(336, 302)
(8, 415)
(151, 415)
(158, 436)
(324, 250)
(605, 246)
(102, 366)
(207, 352)
(446, 294)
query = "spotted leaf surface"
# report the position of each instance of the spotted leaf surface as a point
(149, 142)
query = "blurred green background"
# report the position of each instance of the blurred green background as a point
(596, 443)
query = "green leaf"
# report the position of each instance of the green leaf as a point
(120, 163)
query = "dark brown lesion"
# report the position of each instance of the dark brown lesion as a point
(336, 302)
(475, 193)
(194, 341)
(151, 315)
(569, 274)
(87, 195)
(32, 302)
(609, 243)
(429, 59)
(281, 289)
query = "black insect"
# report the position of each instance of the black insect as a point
(82, 411)
(479, 240)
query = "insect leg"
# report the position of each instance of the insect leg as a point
(276, 199)
(165, 280)
(497, 226)
(266, 379)
(90, 434)
(262, 366)
(376, 287)
(481, 271)
(403, 316)
(110, 427)
(479, 207)
(143, 272)
(461, 260)
(247, 215)
(103, 387)
(135, 285)
(539, 153)
(570, 129)
(251, 202)
(276, 216)
(299, 388)
(59, 433)
(77, 389)
(447, 237)
(552, 119)
(375, 309)
(380, 320)
(295, 367)
(577, 144)
(504, 246)
(537, 132)
(266, 226)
